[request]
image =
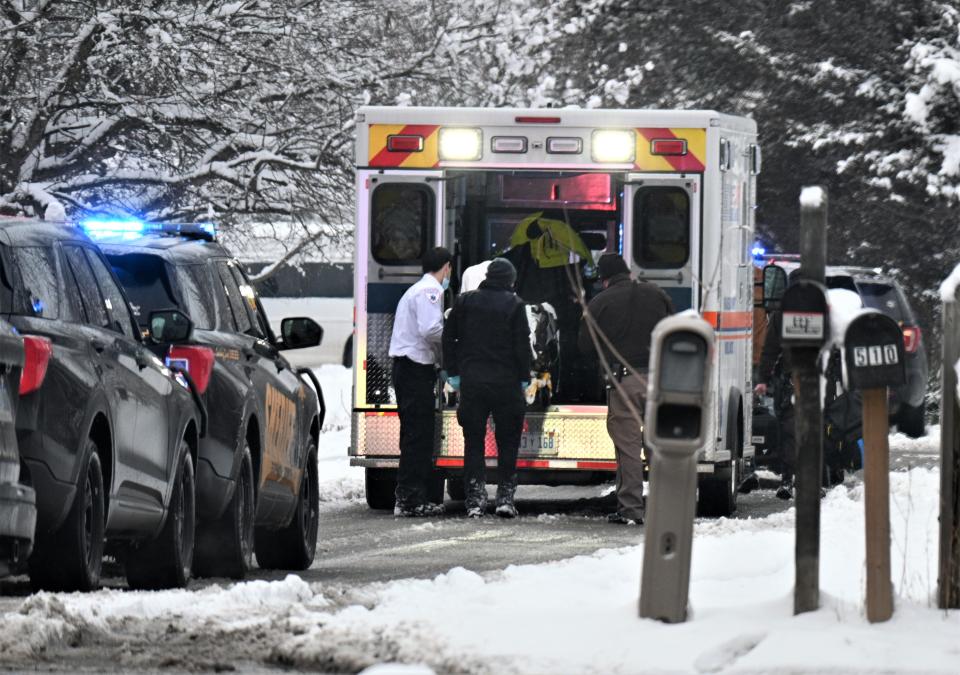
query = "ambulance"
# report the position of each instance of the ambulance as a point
(671, 191)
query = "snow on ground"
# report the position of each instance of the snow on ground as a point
(338, 480)
(580, 615)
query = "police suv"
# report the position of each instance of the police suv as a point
(257, 468)
(108, 434)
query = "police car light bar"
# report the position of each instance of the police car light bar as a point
(131, 229)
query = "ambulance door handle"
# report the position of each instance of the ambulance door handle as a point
(382, 274)
(672, 276)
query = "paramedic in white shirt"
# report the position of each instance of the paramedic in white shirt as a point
(415, 348)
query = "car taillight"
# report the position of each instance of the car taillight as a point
(36, 357)
(196, 361)
(911, 338)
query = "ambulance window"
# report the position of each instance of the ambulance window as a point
(401, 220)
(661, 222)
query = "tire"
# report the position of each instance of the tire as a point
(165, 562)
(717, 495)
(380, 486)
(70, 559)
(455, 489)
(293, 547)
(910, 421)
(225, 546)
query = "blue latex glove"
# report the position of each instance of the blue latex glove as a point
(454, 382)
(525, 385)
(444, 376)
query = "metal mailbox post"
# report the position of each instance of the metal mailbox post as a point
(806, 325)
(873, 352)
(675, 431)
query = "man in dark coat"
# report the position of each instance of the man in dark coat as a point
(625, 312)
(486, 353)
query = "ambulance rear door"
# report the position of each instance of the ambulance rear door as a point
(398, 219)
(661, 233)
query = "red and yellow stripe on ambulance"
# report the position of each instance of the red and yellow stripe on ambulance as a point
(671, 150)
(404, 146)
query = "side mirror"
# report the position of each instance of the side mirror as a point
(774, 286)
(300, 332)
(170, 325)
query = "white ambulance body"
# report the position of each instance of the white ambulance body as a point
(673, 192)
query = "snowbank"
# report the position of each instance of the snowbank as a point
(338, 480)
(580, 615)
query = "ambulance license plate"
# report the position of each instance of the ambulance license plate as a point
(536, 443)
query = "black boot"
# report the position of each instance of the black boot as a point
(505, 492)
(785, 491)
(476, 497)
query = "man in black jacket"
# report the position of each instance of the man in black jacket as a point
(486, 353)
(626, 313)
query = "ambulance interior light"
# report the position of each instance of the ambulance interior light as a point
(461, 144)
(614, 145)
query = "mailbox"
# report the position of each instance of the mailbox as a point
(806, 318)
(675, 430)
(873, 351)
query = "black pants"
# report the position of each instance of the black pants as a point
(788, 443)
(414, 384)
(479, 400)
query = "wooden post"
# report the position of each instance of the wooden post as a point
(948, 583)
(876, 491)
(809, 413)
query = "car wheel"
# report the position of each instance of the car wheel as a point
(293, 547)
(910, 421)
(165, 562)
(70, 559)
(381, 488)
(225, 546)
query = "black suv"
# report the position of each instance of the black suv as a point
(883, 293)
(107, 433)
(18, 502)
(257, 472)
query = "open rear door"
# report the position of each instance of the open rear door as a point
(399, 217)
(661, 233)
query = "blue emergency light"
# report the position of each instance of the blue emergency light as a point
(758, 252)
(98, 228)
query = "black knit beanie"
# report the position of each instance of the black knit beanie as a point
(501, 272)
(610, 265)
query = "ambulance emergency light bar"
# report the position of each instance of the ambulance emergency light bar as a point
(465, 144)
(98, 228)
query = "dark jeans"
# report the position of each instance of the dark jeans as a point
(479, 400)
(414, 384)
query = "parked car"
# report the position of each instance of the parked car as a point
(18, 502)
(321, 290)
(881, 292)
(257, 470)
(107, 433)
